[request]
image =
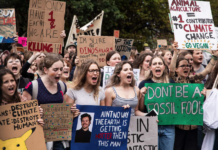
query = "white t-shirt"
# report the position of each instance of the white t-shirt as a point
(81, 97)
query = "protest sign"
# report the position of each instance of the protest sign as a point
(72, 37)
(143, 133)
(193, 25)
(19, 127)
(171, 22)
(161, 42)
(58, 121)
(117, 33)
(45, 23)
(177, 103)
(7, 25)
(216, 30)
(95, 47)
(108, 72)
(22, 41)
(107, 128)
(123, 47)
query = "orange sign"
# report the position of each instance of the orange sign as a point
(117, 33)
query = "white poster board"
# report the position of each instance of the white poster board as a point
(193, 25)
(108, 72)
(216, 30)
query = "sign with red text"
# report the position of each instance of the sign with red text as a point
(22, 41)
(193, 25)
(117, 33)
(95, 47)
(45, 23)
(7, 25)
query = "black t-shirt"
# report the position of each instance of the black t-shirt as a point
(22, 82)
(142, 84)
(83, 136)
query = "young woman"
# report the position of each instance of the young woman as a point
(159, 74)
(143, 64)
(13, 63)
(66, 73)
(50, 88)
(167, 56)
(187, 55)
(113, 58)
(132, 57)
(186, 136)
(8, 92)
(121, 90)
(66, 56)
(86, 90)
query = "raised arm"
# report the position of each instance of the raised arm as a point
(174, 58)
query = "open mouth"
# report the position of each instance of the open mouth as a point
(185, 71)
(57, 78)
(66, 72)
(158, 70)
(129, 78)
(170, 59)
(11, 89)
(14, 69)
(200, 59)
(94, 79)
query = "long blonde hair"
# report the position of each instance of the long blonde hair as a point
(115, 80)
(81, 78)
(165, 72)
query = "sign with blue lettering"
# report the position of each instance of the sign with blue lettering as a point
(100, 127)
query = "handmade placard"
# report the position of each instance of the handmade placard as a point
(58, 120)
(19, 127)
(123, 47)
(7, 25)
(95, 47)
(193, 25)
(72, 37)
(143, 133)
(176, 103)
(100, 127)
(45, 23)
(117, 33)
(108, 72)
(161, 43)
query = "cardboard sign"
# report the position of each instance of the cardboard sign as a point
(19, 127)
(123, 47)
(93, 28)
(72, 37)
(216, 30)
(177, 103)
(107, 128)
(161, 43)
(193, 25)
(108, 72)
(22, 41)
(95, 47)
(7, 25)
(58, 121)
(171, 22)
(45, 23)
(143, 133)
(117, 33)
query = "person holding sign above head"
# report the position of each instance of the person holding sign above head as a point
(86, 90)
(186, 135)
(122, 82)
(158, 74)
(48, 89)
(8, 92)
(142, 62)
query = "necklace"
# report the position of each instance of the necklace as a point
(157, 81)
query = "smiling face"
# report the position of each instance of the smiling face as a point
(183, 69)
(14, 65)
(55, 71)
(157, 67)
(85, 123)
(197, 56)
(126, 74)
(66, 71)
(9, 85)
(92, 75)
(115, 59)
(145, 64)
(167, 57)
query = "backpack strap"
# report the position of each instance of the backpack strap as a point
(35, 89)
(62, 86)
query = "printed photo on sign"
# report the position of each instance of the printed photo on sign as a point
(84, 127)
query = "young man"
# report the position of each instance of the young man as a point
(84, 135)
(71, 48)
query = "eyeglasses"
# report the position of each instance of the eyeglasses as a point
(185, 66)
(94, 71)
